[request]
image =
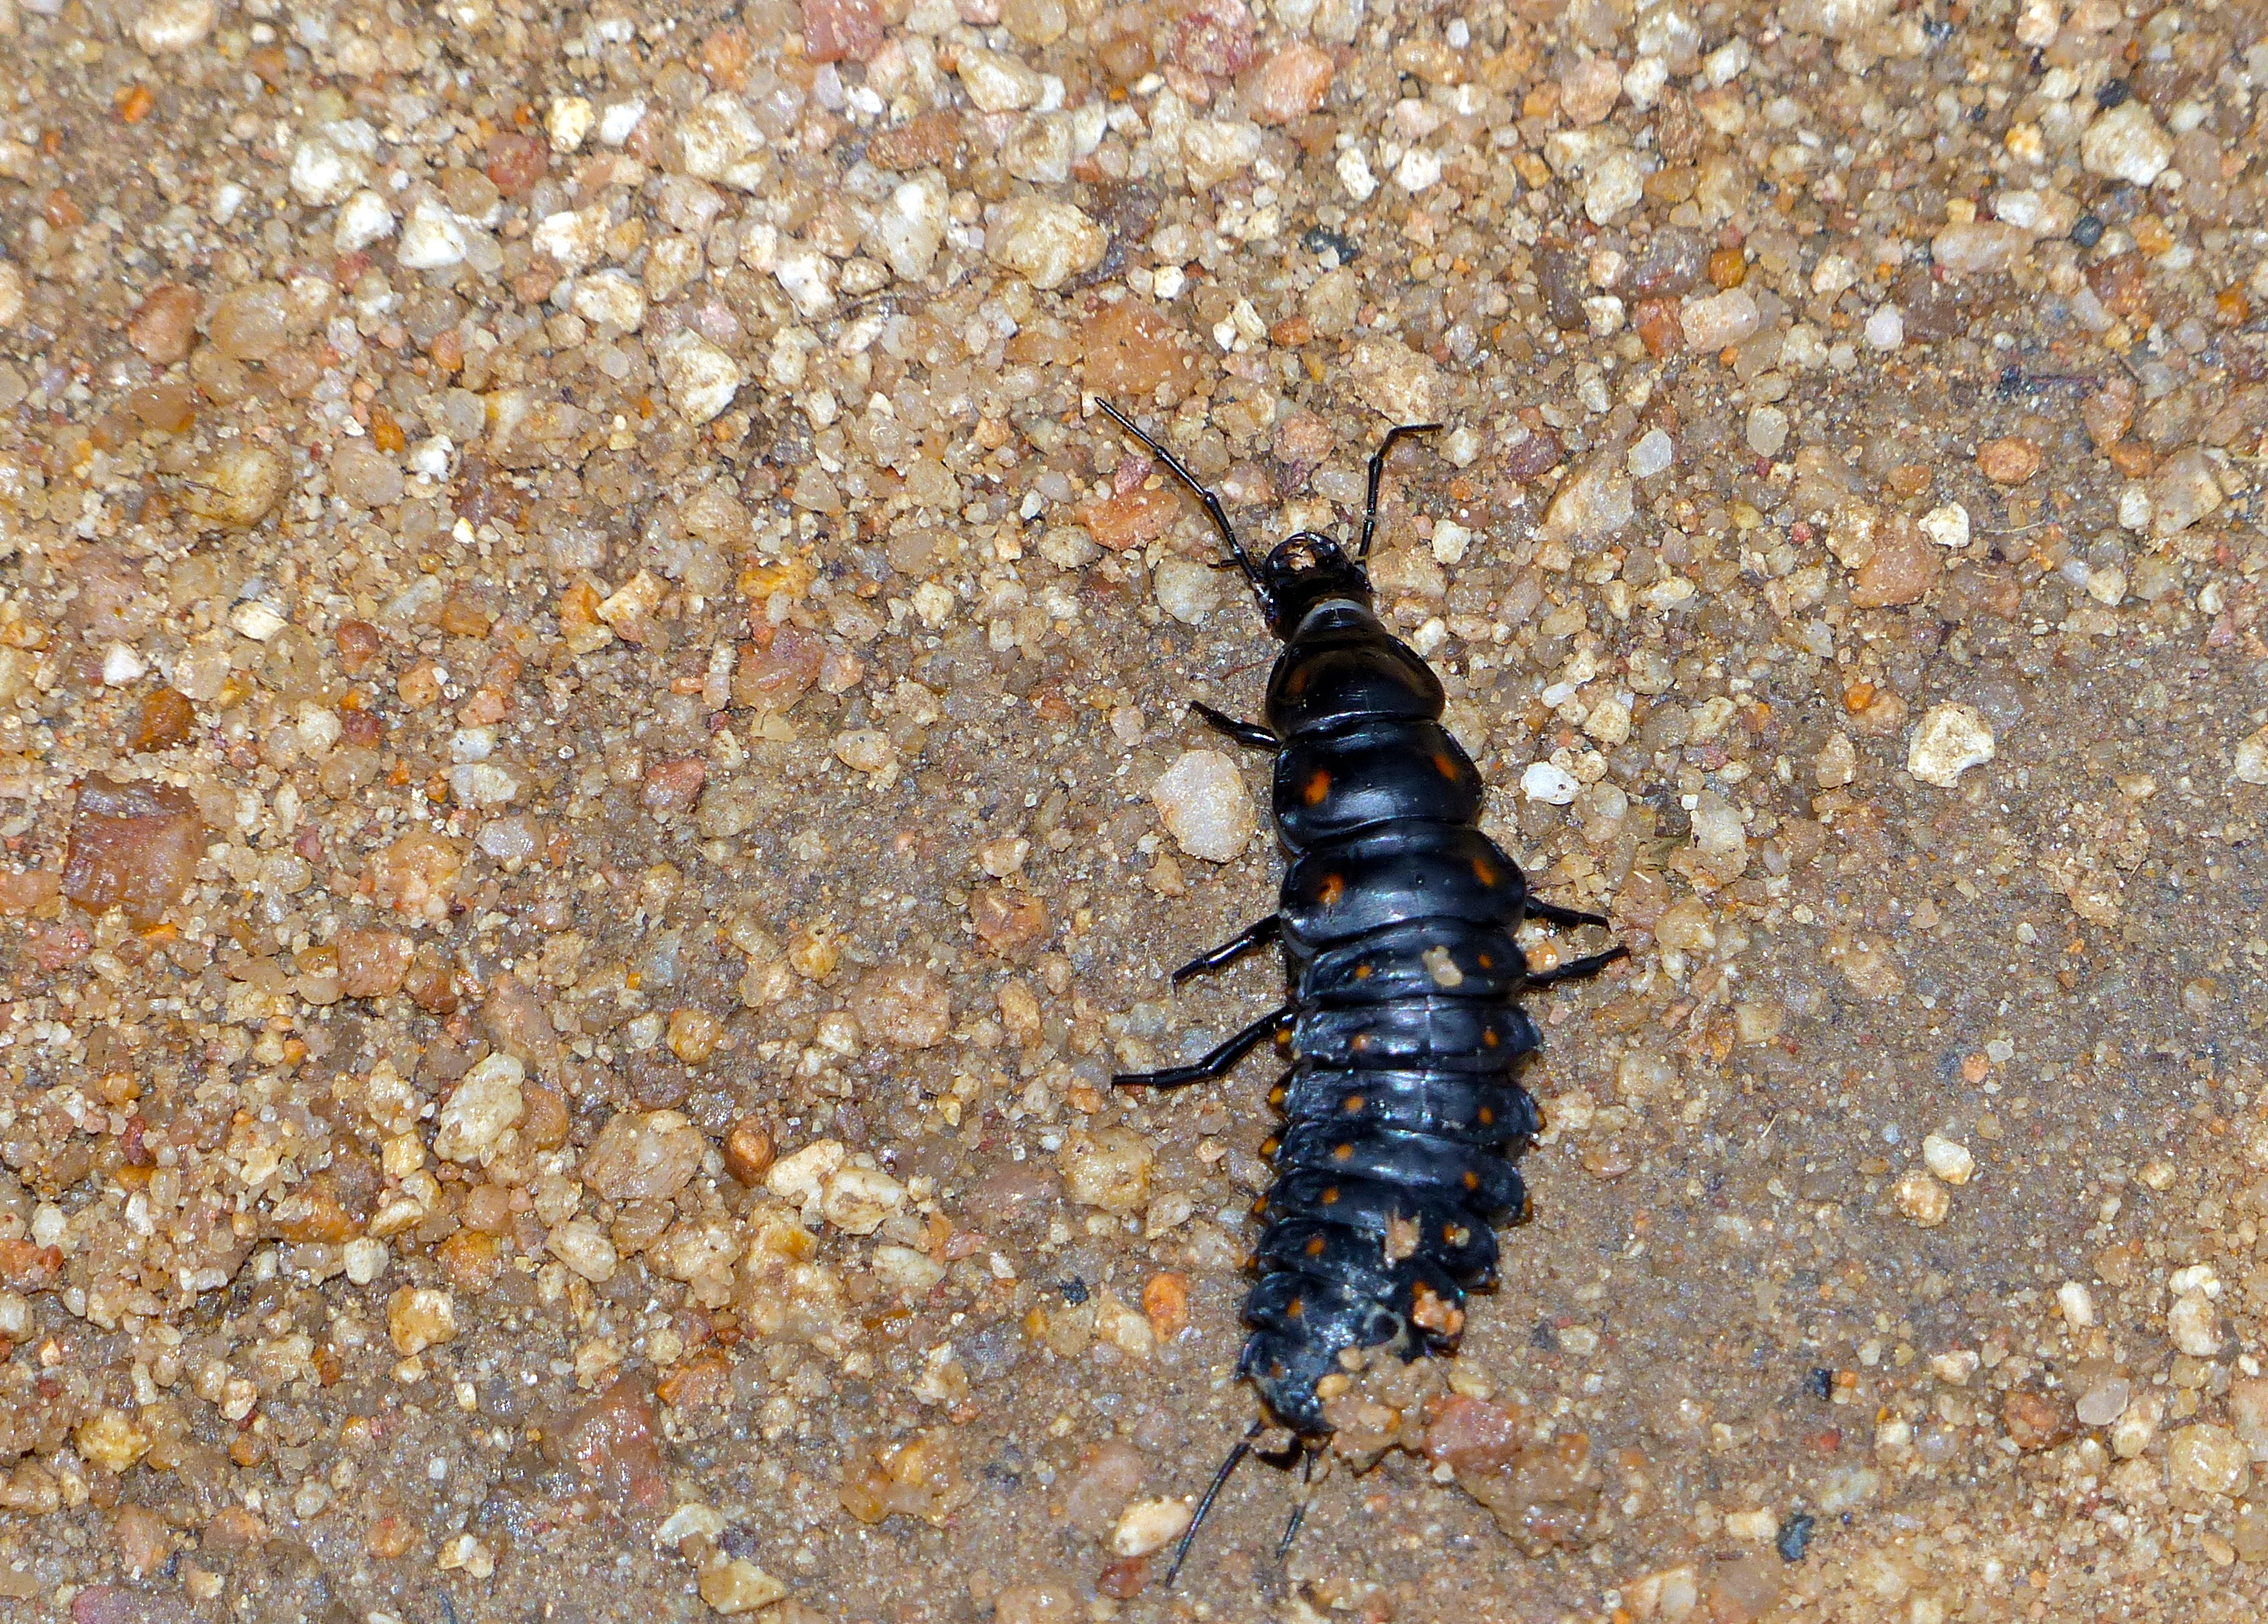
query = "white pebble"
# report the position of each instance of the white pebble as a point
(1450, 541)
(804, 275)
(1354, 174)
(1951, 739)
(1149, 1526)
(618, 121)
(611, 300)
(2191, 1325)
(121, 666)
(911, 228)
(701, 378)
(1720, 318)
(484, 1104)
(322, 174)
(1652, 454)
(1043, 241)
(1949, 1159)
(256, 620)
(1206, 805)
(166, 24)
(997, 83)
(2078, 1305)
(1767, 432)
(2253, 758)
(1612, 186)
(1186, 589)
(364, 218)
(1419, 169)
(1946, 525)
(1554, 786)
(1956, 1368)
(2126, 144)
(365, 1259)
(432, 239)
(1923, 1200)
(569, 123)
(1885, 327)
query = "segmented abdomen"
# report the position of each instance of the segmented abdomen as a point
(1401, 1116)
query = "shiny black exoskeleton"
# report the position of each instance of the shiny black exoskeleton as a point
(1402, 1116)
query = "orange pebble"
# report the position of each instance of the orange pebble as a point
(1166, 1302)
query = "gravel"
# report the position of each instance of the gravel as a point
(595, 781)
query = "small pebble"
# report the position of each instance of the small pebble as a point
(1554, 786)
(1951, 739)
(1921, 1199)
(2192, 1325)
(1886, 328)
(166, 26)
(2206, 1460)
(701, 378)
(1651, 454)
(1980, 247)
(1767, 430)
(2183, 490)
(2126, 144)
(1948, 524)
(2010, 462)
(432, 239)
(420, 1317)
(2104, 1400)
(2251, 758)
(1720, 319)
(735, 1585)
(1043, 241)
(1949, 1159)
(1206, 805)
(2077, 1304)
(1148, 1526)
(1186, 589)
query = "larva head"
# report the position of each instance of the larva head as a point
(1307, 570)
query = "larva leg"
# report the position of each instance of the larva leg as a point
(1575, 969)
(1551, 912)
(1249, 733)
(1253, 935)
(1216, 1064)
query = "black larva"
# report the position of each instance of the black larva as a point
(1402, 1114)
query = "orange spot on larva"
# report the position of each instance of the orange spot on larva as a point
(1484, 872)
(1269, 1147)
(1488, 962)
(1330, 1197)
(1343, 1153)
(1352, 1105)
(1295, 1309)
(1488, 1116)
(1276, 1095)
(1472, 1180)
(1362, 972)
(1445, 765)
(1333, 887)
(1361, 1042)
(1489, 1039)
(1314, 1247)
(1318, 786)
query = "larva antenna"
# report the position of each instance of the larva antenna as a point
(1213, 502)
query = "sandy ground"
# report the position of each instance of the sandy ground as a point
(586, 710)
